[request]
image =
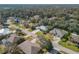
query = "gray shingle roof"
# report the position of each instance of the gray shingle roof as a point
(29, 47)
(74, 38)
(12, 38)
(58, 32)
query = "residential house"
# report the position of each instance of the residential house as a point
(13, 20)
(10, 20)
(43, 28)
(13, 38)
(10, 40)
(5, 42)
(29, 48)
(52, 18)
(37, 17)
(58, 32)
(26, 24)
(74, 38)
(4, 31)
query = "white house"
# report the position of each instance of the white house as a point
(43, 28)
(4, 31)
(58, 32)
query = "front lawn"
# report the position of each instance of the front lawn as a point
(30, 30)
(71, 46)
(20, 26)
(2, 49)
(39, 33)
(48, 37)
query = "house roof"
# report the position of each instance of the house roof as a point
(4, 31)
(75, 38)
(36, 16)
(29, 47)
(12, 38)
(42, 28)
(58, 31)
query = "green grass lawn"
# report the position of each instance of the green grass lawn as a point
(30, 30)
(46, 36)
(69, 45)
(2, 48)
(39, 33)
(20, 26)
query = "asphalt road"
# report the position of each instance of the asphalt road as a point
(61, 48)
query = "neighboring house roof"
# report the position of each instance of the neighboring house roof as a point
(5, 42)
(52, 18)
(58, 32)
(44, 28)
(74, 38)
(26, 24)
(12, 38)
(4, 31)
(12, 19)
(36, 17)
(29, 47)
